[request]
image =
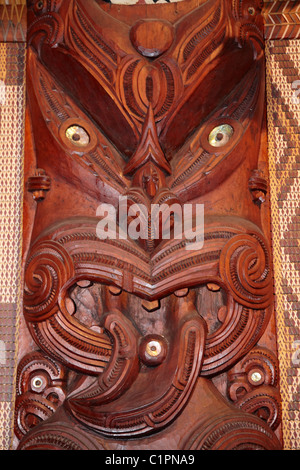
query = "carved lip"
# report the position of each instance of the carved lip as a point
(127, 265)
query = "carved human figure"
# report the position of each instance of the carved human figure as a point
(162, 104)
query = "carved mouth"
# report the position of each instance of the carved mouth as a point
(133, 412)
(235, 256)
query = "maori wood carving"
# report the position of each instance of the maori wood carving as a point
(152, 342)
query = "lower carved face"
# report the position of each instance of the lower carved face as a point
(132, 322)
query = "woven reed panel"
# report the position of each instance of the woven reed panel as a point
(283, 86)
(12, 108)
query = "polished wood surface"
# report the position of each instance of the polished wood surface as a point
(150, 343)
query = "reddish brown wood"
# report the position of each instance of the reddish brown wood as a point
(146, 344)
(152, 38)
(39, 184)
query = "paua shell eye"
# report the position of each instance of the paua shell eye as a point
(78, 136)
(153, 350)
(220, 135)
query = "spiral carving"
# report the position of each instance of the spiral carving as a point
(234, 431)
(46, 22)
(48, 268)
(246, 9)
(245, 270)
(253, 386)
(41, 389)
(69, 437)
(49, 26)
(264, 403)
(248, 15)
(262, 360)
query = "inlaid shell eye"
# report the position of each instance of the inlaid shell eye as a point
(78, 136)
(153, 350)
(38, 383)
(220, 135)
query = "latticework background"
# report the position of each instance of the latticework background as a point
(12, 107)
(283, 100)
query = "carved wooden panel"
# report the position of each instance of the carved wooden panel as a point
(153, 342)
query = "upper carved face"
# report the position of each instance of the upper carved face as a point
(198, 74)
(159, 110)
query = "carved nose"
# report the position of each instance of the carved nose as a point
(151, 188)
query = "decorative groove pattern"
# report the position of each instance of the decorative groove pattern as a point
(283, 71)
(282, 19)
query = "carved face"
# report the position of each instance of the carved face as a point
(160, 111)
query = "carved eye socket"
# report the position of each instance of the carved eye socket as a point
(220, 135)
(39, 6)
(38, 383)
(78, 136)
